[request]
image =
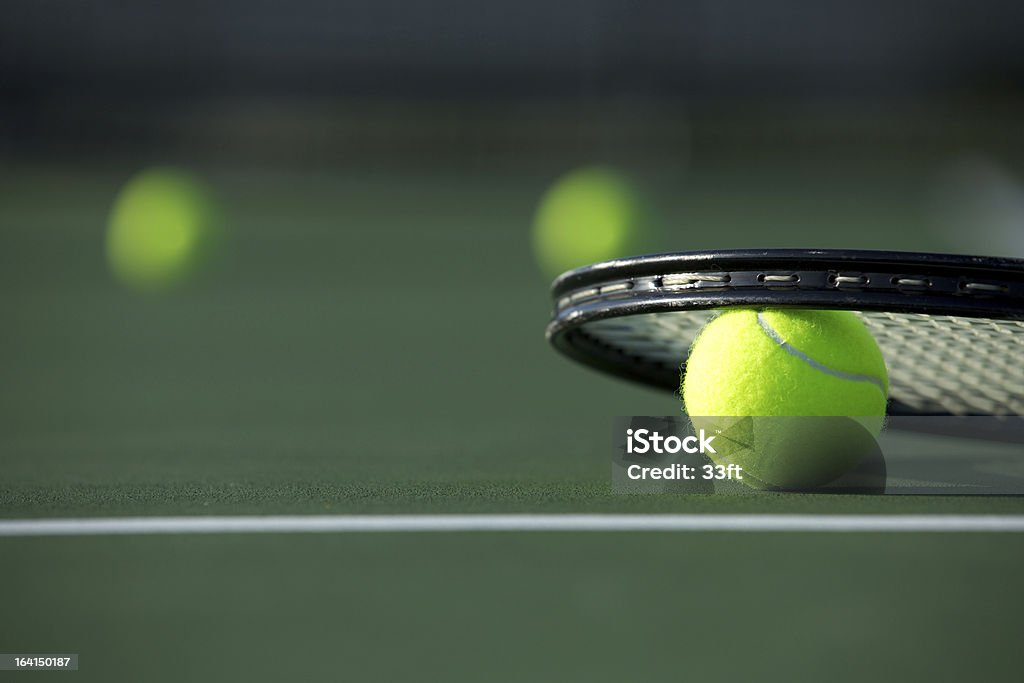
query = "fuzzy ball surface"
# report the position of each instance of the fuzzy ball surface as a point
(797, 395)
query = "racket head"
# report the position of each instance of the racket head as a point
(951, 327)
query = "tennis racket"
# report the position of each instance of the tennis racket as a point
(951, 328)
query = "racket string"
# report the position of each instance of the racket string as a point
(937, 364)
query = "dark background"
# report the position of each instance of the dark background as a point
(455, 48)
(119, 74)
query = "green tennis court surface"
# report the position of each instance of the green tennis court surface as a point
(372, 344)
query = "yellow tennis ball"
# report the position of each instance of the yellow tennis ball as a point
(588, 215)
(789, 370)
(162, 227)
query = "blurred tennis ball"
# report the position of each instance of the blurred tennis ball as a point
(163, 227)
(588, 215)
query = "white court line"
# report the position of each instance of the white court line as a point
(524, 522)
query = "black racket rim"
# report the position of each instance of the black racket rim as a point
(789, 259)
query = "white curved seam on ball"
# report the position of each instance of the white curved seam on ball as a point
(803, 357)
